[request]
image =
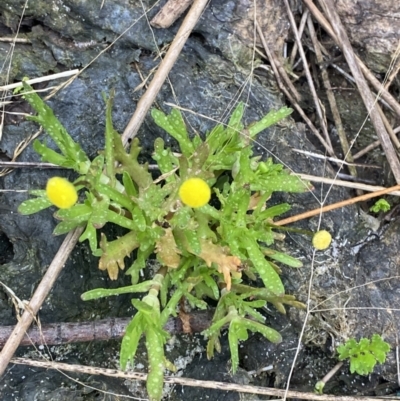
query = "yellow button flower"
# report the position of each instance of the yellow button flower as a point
(321, 240)
(195, 192)
(61, 192)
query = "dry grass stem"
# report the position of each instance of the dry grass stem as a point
(394, 68)
(337, 205)
(20, 148)
(317, 102)
(6, 39)
(364, 90)
(347, 184)
(301, 29)
(276, 65)
(288, 94)
(334, 159)
(189, 382)
(38, 298)
(388, 127)
(40, 79)
(29, 165)
(167, 63)
(331, 98)
(367, 73)
(367, 149)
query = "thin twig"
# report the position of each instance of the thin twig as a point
(367, 73)
(337, 205)
(38, 298)
(317, 102)
(276, 65)
(40, 79)
(169, 13)
(334, 159)
(388, 127)
(301, 29)
(331, 98)
(365, 92)
(371, 146)
(367, 149)
(346, 184)
(190, 382)
(321, 383)
(285, 77)
(100, 330)
(394, 67)
(167, 63)
(30, 165)
(398, 364)
(288, 94)
(20, 148)
(14, 40)
(351, 80)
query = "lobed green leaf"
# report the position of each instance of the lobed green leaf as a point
(175, 126)
(270, 119)
(46, 118)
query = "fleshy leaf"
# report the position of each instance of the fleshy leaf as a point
(32, 206)
(105, 292)
(175, 126)
(283, 258)
(267, 273)
(270, 119)
(227, 264)
(130, 341)
(71, 150)
(115, 251)
(65, 227)
(167, 251)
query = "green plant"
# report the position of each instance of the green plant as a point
(364, 355)
(203, 250)
(381, 205)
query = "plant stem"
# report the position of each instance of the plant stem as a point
(321, 383)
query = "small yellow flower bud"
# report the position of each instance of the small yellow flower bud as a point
(321, 240)
(61, 192)
(195, 192)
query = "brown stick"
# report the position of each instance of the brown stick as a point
(301, 29)
(276, 65)
(241, 388)
(167, 63)
(331, 98)
(394, 67)
(317, 102)
(337, 205)
(38, 298)
(367, 73)
(365, 92)
(100, 330)
(388, 127)
(170, 13)
(292, 100)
